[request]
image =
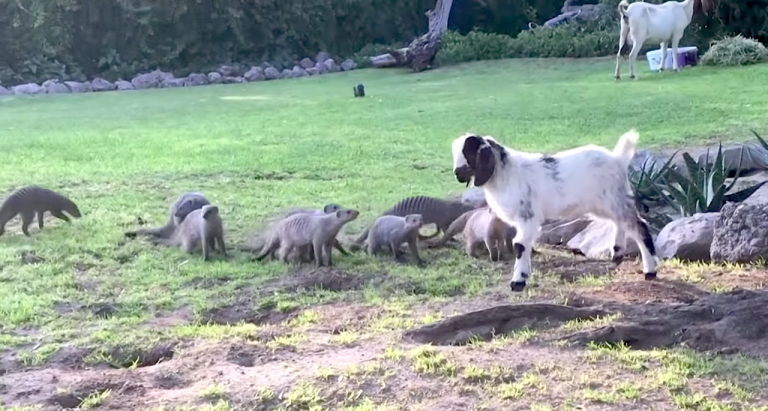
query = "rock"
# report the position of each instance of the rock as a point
(322, 56)
(331, 66)
(299, 72)
(286, 73)
(152, 79)
(755, 158)
(474, 196)
(306, 63)
(29, 88)
(54, 87)
(173, 82)
(320, 67)
(77, 87)
(232, 80)
(234, 70)
(596, 241)
(313, 71)
(196, 79)
(562, 231)
(99, 84)
(688, 238)
(123, 85)
(745, 181)
(741, 233)
(254, 74)
(645, 156)
(271, 73)
(5, 92)
(214, 78)
(348, 65)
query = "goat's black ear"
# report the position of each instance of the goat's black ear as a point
(472, 145)
(485, 165)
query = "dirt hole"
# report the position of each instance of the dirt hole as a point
(127, 357)
(325, 278)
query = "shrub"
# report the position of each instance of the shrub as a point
(371, 50)
(735, 51)
(476, 45)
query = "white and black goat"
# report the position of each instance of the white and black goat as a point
(524, 189)
(641, 22)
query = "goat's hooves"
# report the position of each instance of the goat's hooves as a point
(517, 286)
(632, 78)
(617, 78)
(650, 276)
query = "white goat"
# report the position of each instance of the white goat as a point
(524, 189)
(643, 22)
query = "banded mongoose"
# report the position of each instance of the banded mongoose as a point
(484, 227)
(201, 227)
(179, 209)
(304, 229)
(456, 227)
(35, 200)
(391, 231)
(359, 90)
(433, 211)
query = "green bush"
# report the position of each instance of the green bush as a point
(735, 51)
(475, 45)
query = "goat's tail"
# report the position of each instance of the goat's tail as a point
(625, 148)
(623, 5)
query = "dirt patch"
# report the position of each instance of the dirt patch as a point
(572, 268)
(732, 322)
(248, 355)
(325, 278)
(244, 311)
(638, 292)
(201, 282)
(29, 257)
(127, 357)
(484, 324)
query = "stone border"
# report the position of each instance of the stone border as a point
(225, 74)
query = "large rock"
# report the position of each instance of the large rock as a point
(254, 74)
(77, 87)
(320, 67)
(215, 78)
(741, 233)
(232, 80)
(29, 88)
(322, 56)
(196, 79)
(596, 241)
(562, 231)
(54, 87)
(306, 63)
(348, 65)
(688, 238)
(755, 158)
(474, 196)
(230, 70)
(5, 92)
(99, 84)
(271, 73)
(123, 85)
(299, 72)
(286, 73)
(313, 71)
(152, 79)
(173, 82)
(331, 66)
(758, 197)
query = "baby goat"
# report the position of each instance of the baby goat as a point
(643, 22)
(524, 189)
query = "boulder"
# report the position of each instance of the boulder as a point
(348, 65)
(173, 82)
(254, 74)
(331, 66)
(562, 231)
(99, 84)
(123, 85)
(313, 71)
(306, 63)
(77, 87)
(741, 233)
(322, 56)
(29, 88)
(196, 79)
(233, 70)
(320, 67)
(152, 79)
(286, 73)
(299, 72)
(474, 196)
(271, 73)
(5, 92)
(214, 78)
(758, 197)
(596, 241)
(232, 80)
(54, 87)
(755, 158)
(688, 238)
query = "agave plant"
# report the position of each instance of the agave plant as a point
(648, 193)
(704, 190)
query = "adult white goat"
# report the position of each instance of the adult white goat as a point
(524, 189)
(641, 22)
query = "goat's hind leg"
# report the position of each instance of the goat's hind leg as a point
(638, 230)
(619, 243)
(622, 42)
(636, 46)
(527, 233)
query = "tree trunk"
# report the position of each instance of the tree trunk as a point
(420, 54)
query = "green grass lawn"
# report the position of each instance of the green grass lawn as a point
(257, 148)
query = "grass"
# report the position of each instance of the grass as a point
(257, 148)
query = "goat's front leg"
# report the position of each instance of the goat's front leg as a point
(663, 55)
(527, 233)
(675, 42)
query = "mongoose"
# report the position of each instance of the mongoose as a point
(178, 211)
(303, 229)
(201, 227)
(34, 200)
(484, 227)
(433, 211)
(456, 227)
(391, 231)
(359, 90)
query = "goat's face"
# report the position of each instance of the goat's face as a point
(473, 157)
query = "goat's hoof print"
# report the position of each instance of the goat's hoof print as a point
(650, 276)
(517, 286)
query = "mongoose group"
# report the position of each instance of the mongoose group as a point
(195, 224)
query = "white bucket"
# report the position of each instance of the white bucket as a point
(686, 56)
